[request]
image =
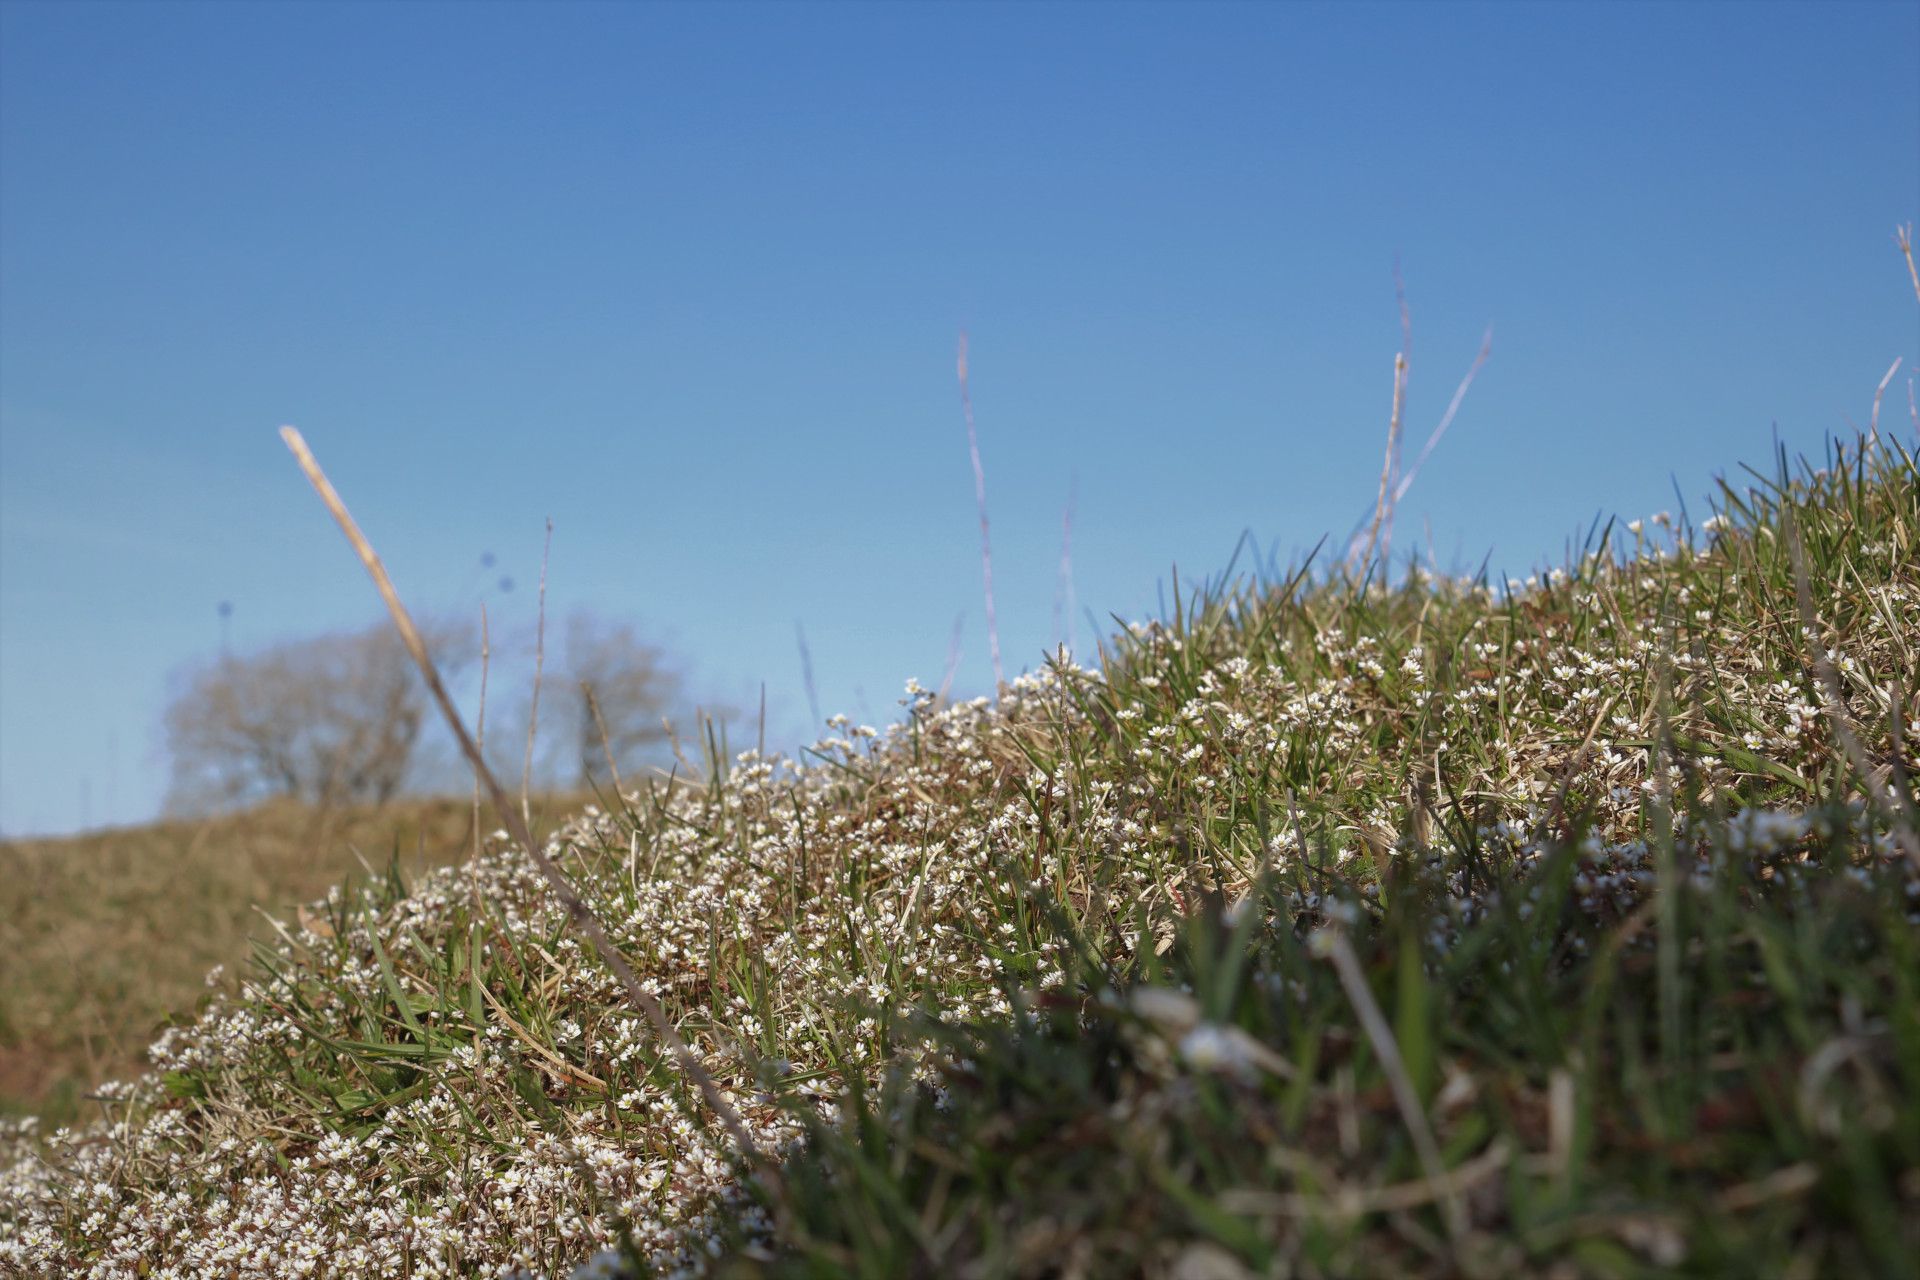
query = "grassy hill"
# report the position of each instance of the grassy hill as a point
(103, 936)
(1326, 928)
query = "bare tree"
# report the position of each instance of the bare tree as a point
(329, 720)
(620, 684)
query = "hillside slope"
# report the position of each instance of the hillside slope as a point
(103, 934)
(1324, 928)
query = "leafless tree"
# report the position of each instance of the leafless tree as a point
(622, 684)
(328, 720)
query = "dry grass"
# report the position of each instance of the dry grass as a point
(1156, 969)
(103, 936)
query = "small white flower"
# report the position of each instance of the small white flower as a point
(1210, 1047)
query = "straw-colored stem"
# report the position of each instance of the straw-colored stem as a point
(1383, 504)
(1446, 419)
(1063, 597)
(1903, 236)
(1332, 941)
(980, 501)
(480, 742)
(1873, 420)
(539, 669)
(606, 739)
(579, 914)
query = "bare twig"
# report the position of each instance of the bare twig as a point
(980, 500)
(1381, 505)
(1896, 729)
(953, 657)
(1063, 601)
(1898, 810)
(1560, 1123)
(1565, 785)
(480, 741)
(1406, 315)
(539, 666)
(1332, 942)
(1345, 1200)
(806, 674)
(579, 914)
(1391, 463)
(1446, 419)
(606, 741)
(1903, 236)
(1406, 352)
(1873, 422)
(1792, 1180)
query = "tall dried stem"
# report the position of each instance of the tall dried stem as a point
(953, 657)
(980, 500)
(1446, 420)
(1063, 601)
(1332, 943)
(480, 741)
(1382, 504)
(806, 675)
(579, 915)
(1873, 420)
(539, 669)
(606, 740)
(1903, 236)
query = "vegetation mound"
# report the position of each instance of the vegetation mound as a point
(1327, 928)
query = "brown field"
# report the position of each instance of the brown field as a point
(104, 936)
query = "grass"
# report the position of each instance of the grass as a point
(104, 936)
(1328, 927)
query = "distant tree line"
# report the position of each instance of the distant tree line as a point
(343, 718)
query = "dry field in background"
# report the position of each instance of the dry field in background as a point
(104, 935)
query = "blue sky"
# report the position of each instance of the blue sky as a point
(688, 280)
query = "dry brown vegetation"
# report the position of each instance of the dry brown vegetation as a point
(103, 936)
(1329, 927)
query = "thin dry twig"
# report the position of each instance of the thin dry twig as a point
(953, 657)
(579, 914)
(1382, 504)
(539, 667)
(1063, 601)
(980, 500)
(1446, 419)
(606, 740)
(1903, 236)
(1406, 351)
(1345, 1200)
(1332, 942)
(1560, 1123)
(1792, 1180)
(1873, 421)
(1898, 810)
(806, 673)
(1391, 463)
(479, 741)
(1896, 715)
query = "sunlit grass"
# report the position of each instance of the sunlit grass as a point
(103, 936)
(1326, 927)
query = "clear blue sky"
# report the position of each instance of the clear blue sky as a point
(689, 281)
